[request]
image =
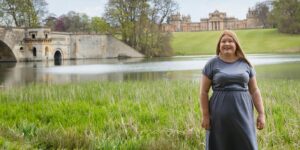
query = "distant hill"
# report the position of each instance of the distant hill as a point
(253, 41)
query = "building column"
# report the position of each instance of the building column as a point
(214, 25)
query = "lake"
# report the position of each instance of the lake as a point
(169, 68)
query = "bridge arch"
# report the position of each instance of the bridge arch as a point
(58, 57)
(6, 53)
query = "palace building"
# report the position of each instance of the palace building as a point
(215, 21)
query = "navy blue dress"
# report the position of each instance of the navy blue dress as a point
(230, 106)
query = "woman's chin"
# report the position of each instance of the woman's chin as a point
(228, 52)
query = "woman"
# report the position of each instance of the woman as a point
(228, 115)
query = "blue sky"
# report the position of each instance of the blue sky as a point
(195, 8)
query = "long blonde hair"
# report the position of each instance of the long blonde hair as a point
(239, 51)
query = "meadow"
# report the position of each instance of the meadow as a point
(253, 41)
(160, 114)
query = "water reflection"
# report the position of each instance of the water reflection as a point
(5, 68)
(57, 62)
(171, 68)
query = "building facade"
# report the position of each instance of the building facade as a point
(216, 21)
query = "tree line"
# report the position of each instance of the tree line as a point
(34, 13)
(76, 22)
(281, 14)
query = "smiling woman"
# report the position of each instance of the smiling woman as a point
(228, 115)
(227, 45)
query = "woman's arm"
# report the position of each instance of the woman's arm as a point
(258, 103)
(204, 89)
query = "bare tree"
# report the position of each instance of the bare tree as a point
(162, 9)
(262, 12)
(50, 21)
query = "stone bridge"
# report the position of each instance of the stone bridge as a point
(41, 44)
(9, 40)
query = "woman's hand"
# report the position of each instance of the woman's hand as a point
(260, 122)
(205, 122)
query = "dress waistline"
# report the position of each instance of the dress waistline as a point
(231, 89)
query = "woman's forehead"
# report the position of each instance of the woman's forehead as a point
(226, 37)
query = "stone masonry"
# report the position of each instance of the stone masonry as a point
(41, 44)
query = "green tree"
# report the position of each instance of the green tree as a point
(139, 22)
(287, 15)
(98, 25)
(23, 13)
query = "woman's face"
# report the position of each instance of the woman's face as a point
(227, 45)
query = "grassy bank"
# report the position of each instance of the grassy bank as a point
(131, 115)
(252, 41)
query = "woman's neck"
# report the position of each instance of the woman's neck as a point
(228, 58)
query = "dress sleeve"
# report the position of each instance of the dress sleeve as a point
(208, 70)
(251, 72)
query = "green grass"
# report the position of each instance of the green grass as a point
(131, 115)
(253, 41)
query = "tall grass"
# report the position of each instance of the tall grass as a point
(253, 41)
(131, 115)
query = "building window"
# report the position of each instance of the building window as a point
(46, 36)
(21, 49)
(33, 36)
(46, 51)
(34, 51)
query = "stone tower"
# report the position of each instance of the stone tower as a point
(175, 20)
(186, 19)
(251, 18)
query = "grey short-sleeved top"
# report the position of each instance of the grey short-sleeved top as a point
(227, 76)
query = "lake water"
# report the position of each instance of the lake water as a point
(171, 68)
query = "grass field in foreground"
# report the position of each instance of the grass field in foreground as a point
(253, 41)
(131, 115)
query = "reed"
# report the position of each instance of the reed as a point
(159, 114)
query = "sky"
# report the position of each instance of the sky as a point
(197, 9)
